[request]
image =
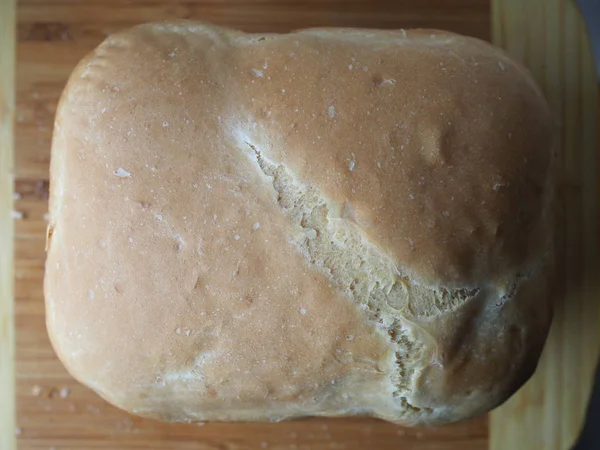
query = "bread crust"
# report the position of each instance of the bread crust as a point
(329, 222)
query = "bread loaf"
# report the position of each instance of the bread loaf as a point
(330, 222)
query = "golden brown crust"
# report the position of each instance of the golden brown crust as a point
(329, 222)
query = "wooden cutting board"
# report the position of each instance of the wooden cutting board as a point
(549, 36)
(52, 410)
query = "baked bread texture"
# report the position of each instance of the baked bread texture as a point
(329, 222)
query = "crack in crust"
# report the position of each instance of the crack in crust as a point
(338, 248)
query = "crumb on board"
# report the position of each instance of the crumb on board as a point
(37, 390)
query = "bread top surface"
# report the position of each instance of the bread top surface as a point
(327, 222)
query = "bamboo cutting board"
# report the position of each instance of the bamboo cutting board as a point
(7, 367)
(549, 36)
(53, 411)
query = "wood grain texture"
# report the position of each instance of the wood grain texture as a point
(53, 411)
(7, 332)
(549, 37)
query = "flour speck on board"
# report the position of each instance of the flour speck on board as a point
(256, 226)
(303, 311)
(257, 73)
(497, 186)
(331, 111)
(37, 390)
(64, 392)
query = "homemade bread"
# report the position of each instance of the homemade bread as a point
(330, 222)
